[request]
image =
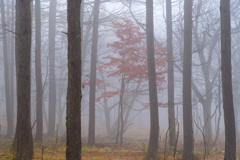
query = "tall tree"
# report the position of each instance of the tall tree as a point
(74, 93)
(229, 120)
(91, 127)
(24, 139)
(17, 30)
(9, 108)
(38, 72)
(11, 68)
(154, 121)
(171, 112)
(187, 79)
(52, 78)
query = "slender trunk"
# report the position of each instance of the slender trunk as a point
(154, 121)
(74, 93)
(207, 120)
(91, 127)
(38, 72)
(9, 106)
(229, 120)
(171, 112)
(12, 96)
(52, 79)
(121, 109)
(219, 107)
(24, 140)
(17, 41)
(187, 79)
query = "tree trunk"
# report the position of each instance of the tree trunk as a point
(52, 80)
(24, 140)
(6, 75)
(74, 93)
(38, 72)
(11, 76)
(91, 127)
(229, 120)
(154, 121)
(171, 112)
(207, 119)
(17, 41)
(187, 79)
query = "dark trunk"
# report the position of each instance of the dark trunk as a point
(52, 80)
(229, 120)
(38, 72)
(91, 127)
(187, 79)
(24, 140)
(171, 112)
(154, 121)
(74, 93)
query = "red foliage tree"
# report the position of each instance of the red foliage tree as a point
(129, 58)
(128, 63)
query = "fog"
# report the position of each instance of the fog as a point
(115, 74)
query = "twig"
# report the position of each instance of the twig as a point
(165, 149)
(34, 123)
(175, 148)
(202, 131)
(127, 127)
(12, 32)
(55, 143)
(159, 143)
(42, 152)
(144, 152)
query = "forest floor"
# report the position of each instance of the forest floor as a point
(106, 149)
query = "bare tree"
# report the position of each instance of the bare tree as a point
(91, 127)
(171, 112)
(52, 79)
(187, 80)
(154, 123)
(229, 120)
(74, 93)
(24, 140)
(38, 72)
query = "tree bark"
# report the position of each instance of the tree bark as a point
(52, 79)
(171, 112)
(187, 80)
(154, 121)
(229, 120)
(38, 72)
(24, 140)
(74, 93)
(91, 127)
(6, 75)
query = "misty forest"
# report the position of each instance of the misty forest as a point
(119, 79)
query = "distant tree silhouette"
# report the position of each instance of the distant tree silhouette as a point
(188, 150)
